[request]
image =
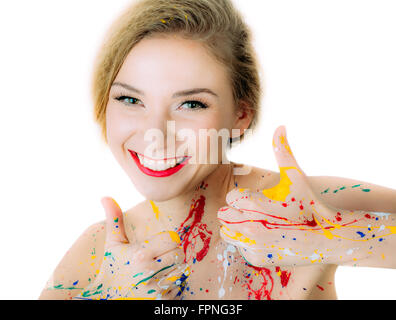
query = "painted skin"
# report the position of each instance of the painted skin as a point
(219, 269)
(289, 225)
(216, 269)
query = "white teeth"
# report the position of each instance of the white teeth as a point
(180, 159)
(159, 165)
(171, 162)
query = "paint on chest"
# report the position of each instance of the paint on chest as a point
(194, 235)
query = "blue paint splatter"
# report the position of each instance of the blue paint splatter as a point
(361, 234)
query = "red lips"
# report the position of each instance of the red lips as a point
(158, 174)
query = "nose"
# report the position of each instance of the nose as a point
(159, 125)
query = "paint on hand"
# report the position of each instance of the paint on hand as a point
(281, 190)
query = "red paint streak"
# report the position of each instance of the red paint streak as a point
(311, 223)
(273, 225)
(312, 203)
(284, 204)
(293, 199)
(284, 276)
(301, 207)
(321, 288)
(367, 216)
(286, 226)
(196, 229)
(263, 291)
(338, 216)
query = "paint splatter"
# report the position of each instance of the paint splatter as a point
(193, 231)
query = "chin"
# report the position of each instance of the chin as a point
(159, 192)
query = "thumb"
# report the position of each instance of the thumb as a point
(283, 153)
(115, 231)
(289, 170)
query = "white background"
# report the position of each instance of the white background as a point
(330, 78)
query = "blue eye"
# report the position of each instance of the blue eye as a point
(127, 100)
(195, 105)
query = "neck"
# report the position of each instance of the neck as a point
(213, 188)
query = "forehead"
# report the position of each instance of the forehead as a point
(171, 61)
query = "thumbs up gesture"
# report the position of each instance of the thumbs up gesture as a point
(283, 225)
(152, 269)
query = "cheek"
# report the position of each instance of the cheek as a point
(118, 126)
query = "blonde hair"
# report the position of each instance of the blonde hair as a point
(215, 23)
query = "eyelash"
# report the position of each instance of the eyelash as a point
(203, 104)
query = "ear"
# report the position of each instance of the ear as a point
(243, 118)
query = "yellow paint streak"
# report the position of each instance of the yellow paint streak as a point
(237, 236)
(329, 235)
(326, 232)
(155, 209)
(283, 141)
(116, 203)
(392, 229)
(174, 236)
(173, 278)
(282, 189)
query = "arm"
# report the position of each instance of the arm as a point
(352, 194)
(79, 267)
(374, 206)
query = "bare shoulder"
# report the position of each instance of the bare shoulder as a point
(79, 266)
(257, 178)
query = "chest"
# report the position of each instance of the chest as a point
(218, 270)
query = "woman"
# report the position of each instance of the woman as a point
(171, 70)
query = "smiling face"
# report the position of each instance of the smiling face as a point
(150, 94)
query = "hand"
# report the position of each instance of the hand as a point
(152, 269)
(284, 225)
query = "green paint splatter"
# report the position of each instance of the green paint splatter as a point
(138, 274)
(327, 190)
(343, 188)
(90, 293)
(145, 279)
(151, 291)
(116, 220)
(61, 287)
(107, 254)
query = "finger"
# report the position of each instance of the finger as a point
(253, 203)
(175, 256)
(228, 213)
(160, 244)
(283, 153)
(167, 263)
(289, 170)
(236, 196)
(236, 238)
(115, 232)
(175, 278)
(237, 221)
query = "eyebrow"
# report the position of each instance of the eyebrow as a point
(188, 92)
